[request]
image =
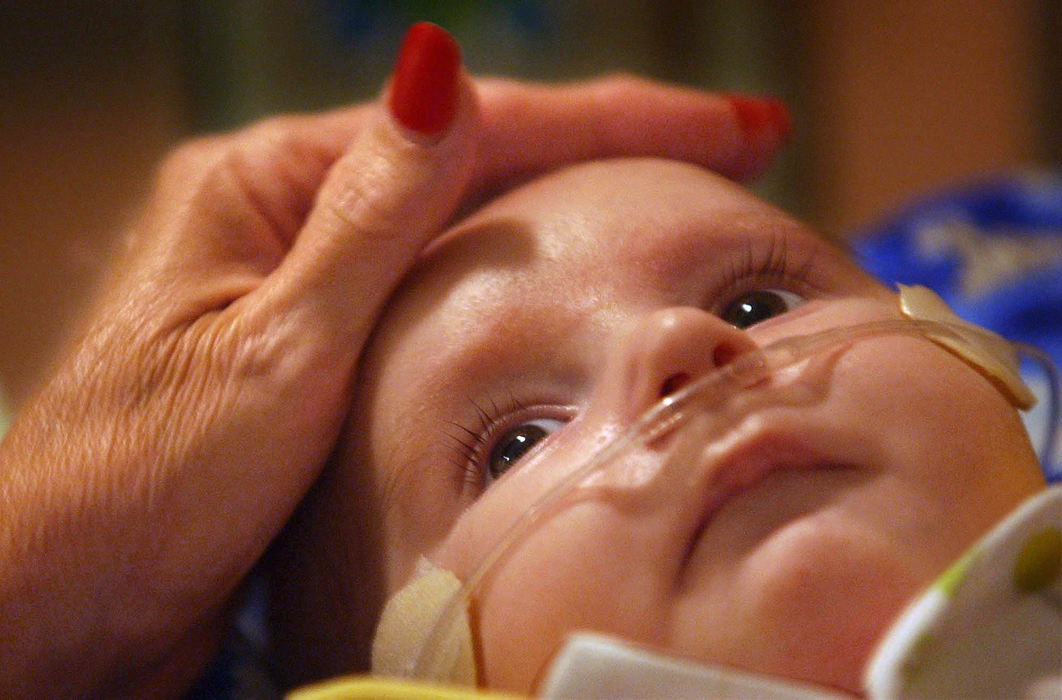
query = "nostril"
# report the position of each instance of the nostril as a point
(668, 350)
(724, 354)
(674, 383)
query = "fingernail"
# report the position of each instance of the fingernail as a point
(424, 88)
(759, 114)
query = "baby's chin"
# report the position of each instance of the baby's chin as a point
(808, 603)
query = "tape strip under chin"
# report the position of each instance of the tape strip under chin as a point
(409, 618)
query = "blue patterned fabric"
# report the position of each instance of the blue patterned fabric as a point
(992, 249)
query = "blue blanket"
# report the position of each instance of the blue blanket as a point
(992, 248)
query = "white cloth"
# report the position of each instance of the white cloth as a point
(991, 626)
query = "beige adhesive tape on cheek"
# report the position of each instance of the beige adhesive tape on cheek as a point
(408, 619)
(990, 354)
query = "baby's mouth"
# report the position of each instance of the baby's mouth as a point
(760, 461)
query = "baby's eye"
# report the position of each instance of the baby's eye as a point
(513, 444)
(759, 305)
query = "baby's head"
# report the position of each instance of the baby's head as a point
(547, 323)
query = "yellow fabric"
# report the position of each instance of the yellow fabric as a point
(378, 688)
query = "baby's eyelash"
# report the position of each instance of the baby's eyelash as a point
(468, 443)
(771, 261)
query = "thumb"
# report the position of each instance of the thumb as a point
(384, 198)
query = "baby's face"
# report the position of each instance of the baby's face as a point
(551, 319)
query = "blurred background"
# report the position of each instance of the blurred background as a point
(890, 99)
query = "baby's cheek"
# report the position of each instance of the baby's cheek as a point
(950, 435)
(577, 571)
(820, 593)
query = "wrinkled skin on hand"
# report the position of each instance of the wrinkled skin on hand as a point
(207, 386)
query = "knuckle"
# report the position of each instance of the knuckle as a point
(197, 158)
(620, 86)
(193, 174)
(273, 133)
(203, 169)
(190, 156)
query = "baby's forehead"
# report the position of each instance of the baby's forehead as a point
(623, 233)
(602, 226)
(649, 209)
(640, 187)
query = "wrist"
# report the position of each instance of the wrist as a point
(78, 617)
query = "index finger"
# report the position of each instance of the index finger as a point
(532, 127)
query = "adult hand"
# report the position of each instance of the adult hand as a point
(168, 448)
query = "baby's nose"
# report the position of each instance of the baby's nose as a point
(666, 350)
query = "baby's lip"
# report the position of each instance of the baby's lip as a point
(758, 449)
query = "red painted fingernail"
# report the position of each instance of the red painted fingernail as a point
(759, 114)
(424, 88)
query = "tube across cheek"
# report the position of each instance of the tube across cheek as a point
(992, 356)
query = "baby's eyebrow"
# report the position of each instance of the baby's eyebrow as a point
(726, 246)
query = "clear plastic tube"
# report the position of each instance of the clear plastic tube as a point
(721, 398)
